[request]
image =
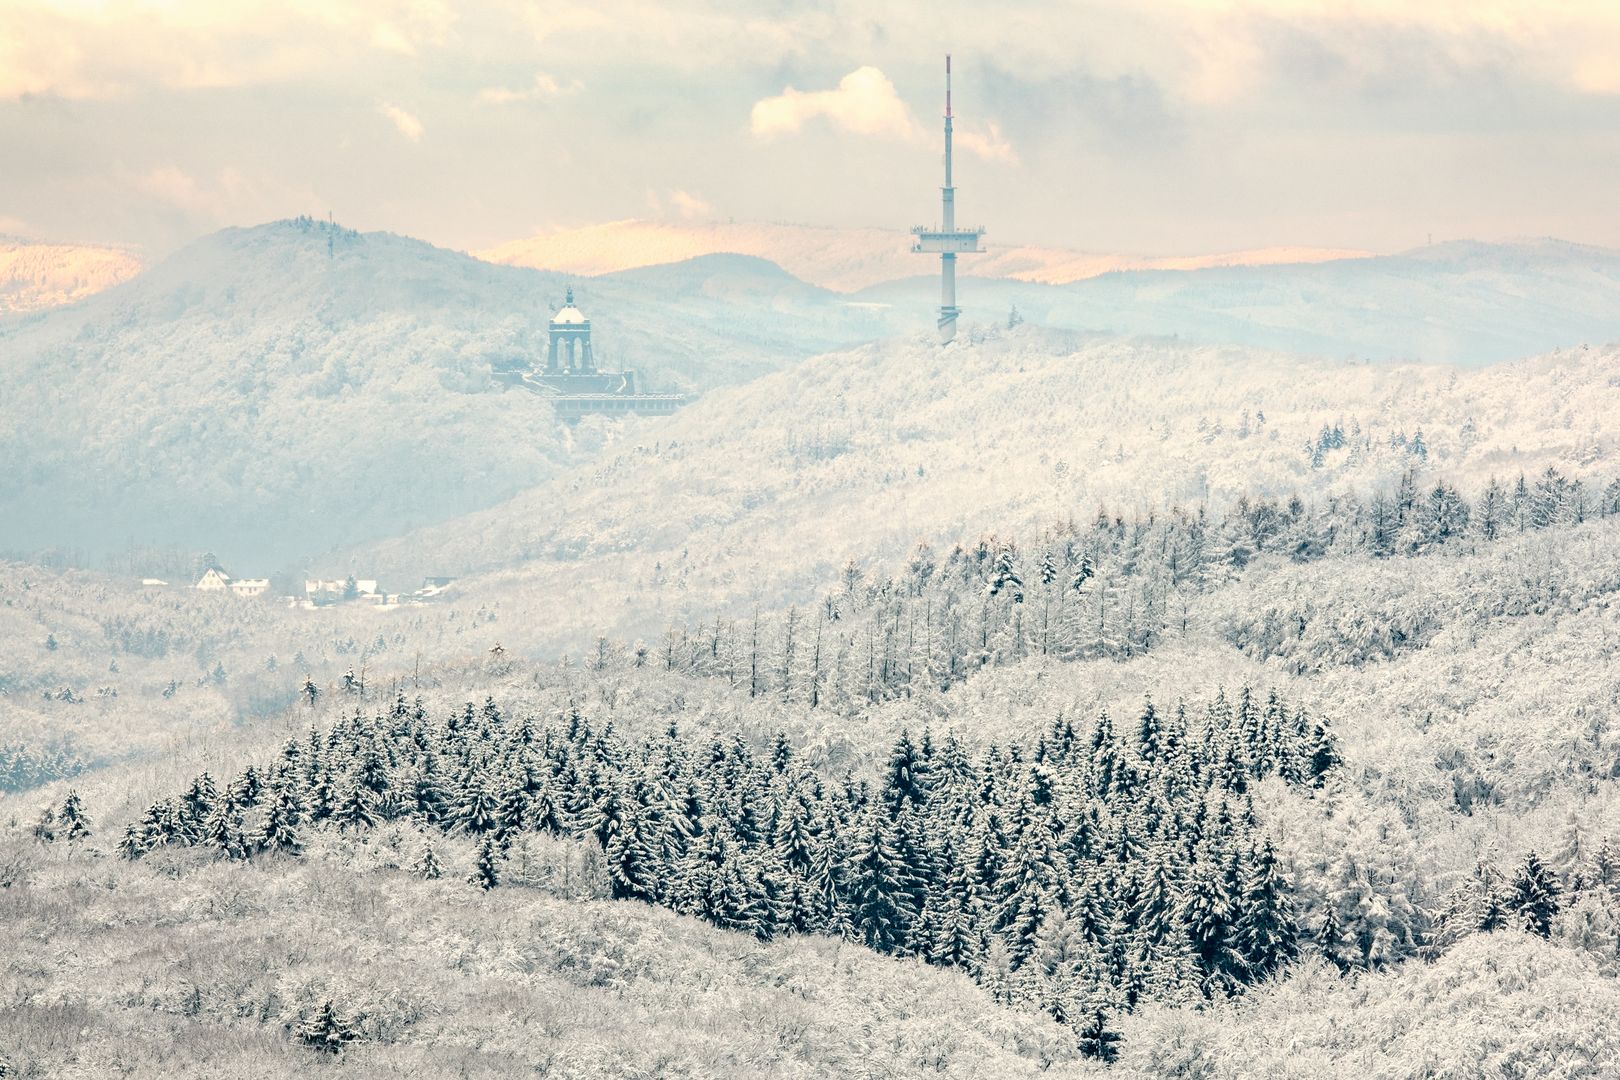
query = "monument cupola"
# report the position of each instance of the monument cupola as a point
(570, 349)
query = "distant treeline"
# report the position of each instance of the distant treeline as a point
(1110, 588)
(1082, 874)
(23, 767)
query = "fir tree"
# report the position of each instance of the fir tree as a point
(280, 830)
(879, 890)
(1324, 754)
(1533, 895)
(131, 846)
(486, 872)
(327, 1029)
(427, 864)
(196, 806)
(223, 829)
(73, 823)
(1266, 933)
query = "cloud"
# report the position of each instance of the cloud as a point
(690, 207)
(989, 144)
(172, 185)
(677, 203)
(864, 103)
(103, 51)
(216, 199)
(544, 88)
(408, 125)
(1052, 112)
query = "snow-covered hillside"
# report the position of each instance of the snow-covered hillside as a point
(1463, 303)
(272, 391)
(762, 492)
(1466, 303)
(36, 275)
(276, 391)
(844, 260)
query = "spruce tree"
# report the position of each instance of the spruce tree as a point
(903, 779)
(1266, 934)
(1533, 895)
(478, 811)
(280, 831)
(73, 822)
(427, 864)
(196, 806)
(223, 829)
(631, 859)
(879, 889)
(1324, 753)
(486, 872)
(327, 1029)
(132, 846)
(353, 804)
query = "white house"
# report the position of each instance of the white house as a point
(214, 580)
(250, 586)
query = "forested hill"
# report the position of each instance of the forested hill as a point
(758, 493)
(1465, 303)
(37, 275)
(272, 391)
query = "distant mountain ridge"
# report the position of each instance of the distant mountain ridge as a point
(843, 260)
(35, 275)
(282, 390)
(268, 392)
(1467, 302)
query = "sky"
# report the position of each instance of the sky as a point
(1139, 126)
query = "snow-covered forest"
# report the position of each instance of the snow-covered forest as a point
(1049, 702)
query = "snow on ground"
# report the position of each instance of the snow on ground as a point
(759, 492)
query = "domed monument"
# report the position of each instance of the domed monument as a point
(573, 383)
(570, 347)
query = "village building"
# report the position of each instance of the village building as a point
(214, 580)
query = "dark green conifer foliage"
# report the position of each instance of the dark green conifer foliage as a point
(879, 885)
(131, 846)
(1533, 895)
(72, 822)
(1266, 932)
(45, 826)
(486, 871)
(427, 865)
(1081, 875)
(280, 831)
(327, 1029)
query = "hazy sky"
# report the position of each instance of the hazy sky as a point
(1154, 126)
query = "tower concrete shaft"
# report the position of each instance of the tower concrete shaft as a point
(948, 241)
